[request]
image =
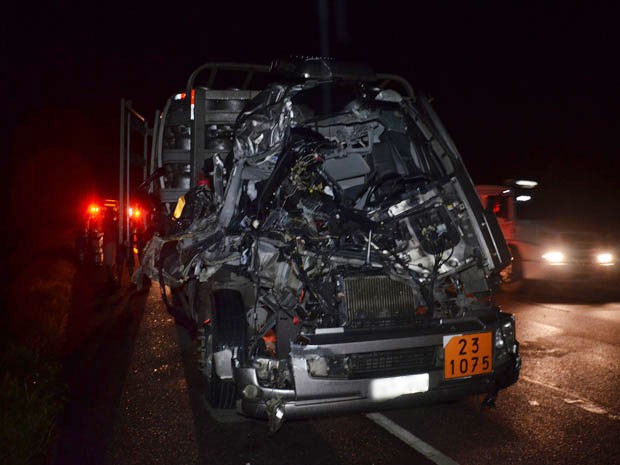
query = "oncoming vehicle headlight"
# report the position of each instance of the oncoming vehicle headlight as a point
(554, 256)
(605, 258)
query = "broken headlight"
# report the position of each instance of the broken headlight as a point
(332, 367)
(505, 339)
(273, 373)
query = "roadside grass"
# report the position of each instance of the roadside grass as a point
(31, 397)
(42, 300)
(32, 394)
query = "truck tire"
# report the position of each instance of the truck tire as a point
(511, 277)
(224, 327)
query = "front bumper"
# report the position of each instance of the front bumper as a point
(314, 396)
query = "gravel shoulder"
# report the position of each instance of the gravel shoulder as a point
(154, 422)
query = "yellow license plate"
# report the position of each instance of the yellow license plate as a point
(467, 355)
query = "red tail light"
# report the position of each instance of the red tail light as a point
(93, 209)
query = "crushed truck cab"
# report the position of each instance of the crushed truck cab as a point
(329, 248)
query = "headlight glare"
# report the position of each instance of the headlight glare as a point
(604, 258)
(554, 256)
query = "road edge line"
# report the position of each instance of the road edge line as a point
(412, 441)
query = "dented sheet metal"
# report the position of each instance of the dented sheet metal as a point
(358, 219)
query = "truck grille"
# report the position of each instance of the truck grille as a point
(378, 301)
(392, 362)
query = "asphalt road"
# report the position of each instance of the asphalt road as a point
(564, 409)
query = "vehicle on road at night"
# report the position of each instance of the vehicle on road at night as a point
(89, 242)
(97, 240)
(542, 252)
(326, 244)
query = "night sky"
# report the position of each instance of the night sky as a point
(529, 91)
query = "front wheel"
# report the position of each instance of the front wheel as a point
(218, 392)
(223, 329)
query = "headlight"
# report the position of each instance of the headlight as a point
(505, 339)
(336, 366)
(554, 256)
(499, 339)
(605, 258)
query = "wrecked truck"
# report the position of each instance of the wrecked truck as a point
(326, 245)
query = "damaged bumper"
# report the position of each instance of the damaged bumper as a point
(371, 389)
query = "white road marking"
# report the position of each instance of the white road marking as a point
(574, 399)
(412, 441)
(551, 307)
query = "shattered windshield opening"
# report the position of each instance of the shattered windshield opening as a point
(362, 188)
(327, 99)
(394, 141)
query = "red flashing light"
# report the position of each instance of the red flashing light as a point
(204, 183)
(134, 212)
(93, 209)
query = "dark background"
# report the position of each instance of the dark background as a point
(525, 91)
